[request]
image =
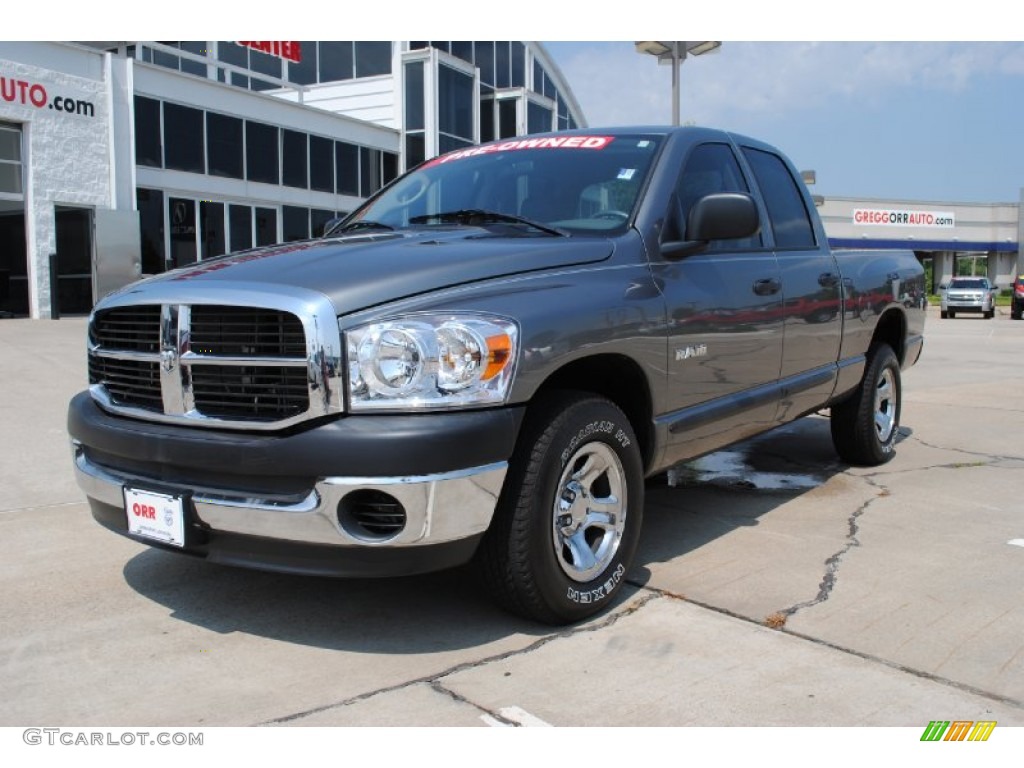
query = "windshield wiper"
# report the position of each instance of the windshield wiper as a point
(479, 216)
(362, 224)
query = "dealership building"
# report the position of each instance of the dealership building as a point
(124, 159)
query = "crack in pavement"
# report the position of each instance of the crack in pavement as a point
(990, 456)
(828, 580)
(966, 688)
(437, 677)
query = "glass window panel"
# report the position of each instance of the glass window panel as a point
(266, 226)
(265, 63)
(10, 143)
(182, 214)
(373, 58)
(549, 87)
(211, 236)
(184, 148)
(455, 102)
(506, 118)
(150, 203)
(240, 219)
(194, 67)
(441, 45)
(164, 59)
(415, 150)
(485, 60)
(463, 49)
(318, 218)
(451, 143)
(147, 132)
(261, 153)
(538, 118)
(518, 74)
(224, 146)
(295, 223)
(486, 120)
(369, 171)
(295, 166)
(321, 164)
(389, 162)
(232, 53)
(786, 210)
(416, 45)
(335, 61)
(501, 64)
(303, 72)
(10, 178)
(347, 168)
(538, 77)
(711, 168)
(414, 119)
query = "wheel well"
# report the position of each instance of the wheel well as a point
(892, 330)
(618, 379)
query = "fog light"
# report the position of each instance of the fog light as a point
(371, 515)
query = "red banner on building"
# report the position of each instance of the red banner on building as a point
(285, 49)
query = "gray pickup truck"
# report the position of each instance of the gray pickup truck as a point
(486, 360)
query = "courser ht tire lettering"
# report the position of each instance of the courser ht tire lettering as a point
(865, 425)
(567, 524)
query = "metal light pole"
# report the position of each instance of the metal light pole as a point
(674, 53)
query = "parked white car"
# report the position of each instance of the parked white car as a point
(969, 294)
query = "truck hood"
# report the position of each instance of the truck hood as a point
(360, 271)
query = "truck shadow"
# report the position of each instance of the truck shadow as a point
(443, 611)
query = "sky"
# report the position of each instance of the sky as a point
(932, 121)
(901, 114)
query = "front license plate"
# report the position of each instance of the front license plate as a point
(157, 516)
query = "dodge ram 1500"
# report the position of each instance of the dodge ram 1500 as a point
(486, 360)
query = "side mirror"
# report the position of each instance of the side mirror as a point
(721, 216)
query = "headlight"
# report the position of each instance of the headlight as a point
(431, 361)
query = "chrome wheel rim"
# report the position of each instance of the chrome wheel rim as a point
(589, 513)
(885, 405)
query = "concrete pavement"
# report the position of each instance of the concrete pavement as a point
(895, 591)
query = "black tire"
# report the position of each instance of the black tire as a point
(952, 314)
(943, 314)
(549, 555)
(865, 425)
(1014, 315)
(990, 314)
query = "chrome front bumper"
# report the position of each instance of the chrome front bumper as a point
(440, 508)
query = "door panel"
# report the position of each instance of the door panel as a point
(725, 317)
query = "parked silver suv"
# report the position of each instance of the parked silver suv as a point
(969, 294)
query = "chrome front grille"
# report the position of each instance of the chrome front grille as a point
(245, 331)
(128, 382)
(215, 365)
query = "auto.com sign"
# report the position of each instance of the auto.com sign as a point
(894, 217)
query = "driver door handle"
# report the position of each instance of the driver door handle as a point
(768, 286)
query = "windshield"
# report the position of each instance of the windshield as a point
(978, 283)
(568, 184)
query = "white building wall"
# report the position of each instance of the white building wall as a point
(973, 222)
(67, 158)
(371, 99)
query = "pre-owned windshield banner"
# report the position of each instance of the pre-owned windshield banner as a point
(554, 142)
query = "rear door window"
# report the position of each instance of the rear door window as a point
(790, 222)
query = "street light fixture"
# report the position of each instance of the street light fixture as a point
(674, 52)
